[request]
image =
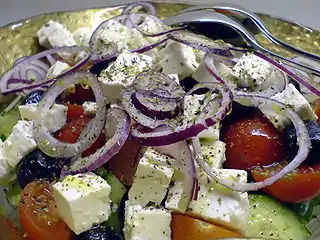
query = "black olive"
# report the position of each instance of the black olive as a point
(33, 97)
(314, 134)
(189, 82)
(99, 232)
(98, 67)
(122, 206)
(37, 165)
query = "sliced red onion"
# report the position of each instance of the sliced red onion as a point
(303, 142)
(34, 63)
(292, 74)
(136, 114)
(211, 62)
(181, 152)
(160, 83)
(118, 124)
(102, 52)
(165, 135)
(54, 147)
(149, 7)
(200, 42)
(153, 106)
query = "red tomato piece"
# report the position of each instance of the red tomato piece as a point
(123, 165)
(301, 185)
(74, 111)
(77, 95)
(38, 214)
(252, 141)
(8, 231)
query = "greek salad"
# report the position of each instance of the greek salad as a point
(137, 130)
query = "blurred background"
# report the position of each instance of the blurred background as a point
(303, 12)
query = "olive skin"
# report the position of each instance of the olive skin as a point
(313, 128)
(33, 97)
(37, 165)
(99, 232)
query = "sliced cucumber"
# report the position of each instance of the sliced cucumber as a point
(271, 220)
(7, 121)
(117, 192)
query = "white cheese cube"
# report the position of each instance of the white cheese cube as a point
(7, 173)
(19, 143)
(146, 223)
(175, 77)
(220, 205)
(191, 111)
(56, 117)
(177, 200)
(120, 74)
(150, 183)
(251, 70)
(155, 157)
(177, 58)
(54, 34)
(57, 68)
(292, 97)
(89, 108)
(82, 36)
(214, 153)
(83, 200)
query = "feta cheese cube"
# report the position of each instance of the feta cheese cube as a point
(57, 68)
(82, 36)
(155, 157)
(89, 108)
(175, 77)
(146, 223)
(177, 58)
(214, 153)
(251, 70)
(53, 34)
(83, 200)
(150, 183)
(19, 143)
(7, 173)
(220, 205)
(193, 108)
(292, 97)
(56, 117)
(120, 74)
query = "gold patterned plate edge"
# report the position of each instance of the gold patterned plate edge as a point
(19, 39)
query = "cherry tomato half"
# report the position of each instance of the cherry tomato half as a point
(252, 141)
(7, 230)
(300, 185)
(188, 228)
(38, 214)
(76, 121)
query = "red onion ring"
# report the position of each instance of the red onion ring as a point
(21, 67)
(200, 42)
(120, 121)
(110, 51)
(210, 65)
(303, 142)
(144, 4)
(292, 74)
(52, 146)
(181, 152)
(153, 106)
(165, 135)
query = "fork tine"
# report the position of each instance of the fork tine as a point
(259, 23)
(215, 17)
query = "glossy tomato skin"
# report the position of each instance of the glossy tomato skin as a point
(301, 185)
(252, 141)
(38, 214)
(78, 95)
(188, 228)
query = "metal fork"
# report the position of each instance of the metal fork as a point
(197, 14)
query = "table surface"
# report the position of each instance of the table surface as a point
(303, 12)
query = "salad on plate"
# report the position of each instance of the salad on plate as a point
(137, 130)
